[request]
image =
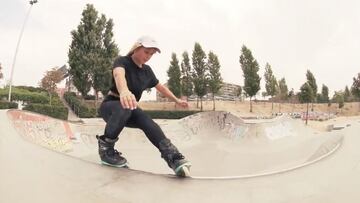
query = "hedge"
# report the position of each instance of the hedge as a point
(8, 105)
(35, 100)
(49, 110)
(78, 107)
(31, 89)
(25, 95)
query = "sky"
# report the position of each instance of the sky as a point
(292, 36)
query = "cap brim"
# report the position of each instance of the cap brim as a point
(152, 46)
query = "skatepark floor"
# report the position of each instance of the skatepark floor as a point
(277, 160)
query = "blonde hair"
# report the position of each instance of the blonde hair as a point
(133, 48)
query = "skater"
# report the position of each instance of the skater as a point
(130, 77)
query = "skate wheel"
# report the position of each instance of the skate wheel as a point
(125, 165)
(186, 171)
(183, 171)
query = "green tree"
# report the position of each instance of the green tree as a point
(81, 54)
(215, 81)
(312, 82)
(50, 80)
(264, 94)
(306, 95)
(283, 92)
(291, 93)
(250, 67)
(293, 98)
(1, 74)
(283, 89)
(355, 88)
(339, 98)
(174, 76)
(347, 94)
(238, 92)
(91, 52)
(271, 84)
(186, 79)
(199, 72)
(108, 52)
(324, 96)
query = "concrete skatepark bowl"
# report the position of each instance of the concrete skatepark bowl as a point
(234, 160)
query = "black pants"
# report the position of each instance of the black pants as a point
(116, 118)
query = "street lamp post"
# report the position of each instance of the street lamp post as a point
(32, 2)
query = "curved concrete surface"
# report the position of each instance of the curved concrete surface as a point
(30, 173)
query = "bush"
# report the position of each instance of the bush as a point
(31, 89)
(25, 95)
(55, 100)
(78, 107)
(36, 100)
(49, 110)
(8, 105)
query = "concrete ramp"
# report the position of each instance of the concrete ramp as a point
(50, 160)
(213, 141)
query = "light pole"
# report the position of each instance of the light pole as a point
(32, 2)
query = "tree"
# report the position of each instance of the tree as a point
(250, 67)
(91, 52)
(199, 72)
(174, 76)
(263, 94)
(108, 52)
(238, 92)
(324, 96)
(215, 81)
(271, 84)
(49, 81)
(339, 98)
(293, 98)
(306, 95)
(347, 94)
(283, 89)
(186, 79)
(355, 88)
(283, 92)
(312, 82)
(291, 93)
(81, 53)
(1, 74)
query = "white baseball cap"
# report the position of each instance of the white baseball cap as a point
(148, 42)
(144, 41)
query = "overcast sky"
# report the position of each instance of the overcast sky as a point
(292, 36)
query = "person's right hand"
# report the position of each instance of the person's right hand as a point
(128, 100)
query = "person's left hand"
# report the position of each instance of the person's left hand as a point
(182, 103)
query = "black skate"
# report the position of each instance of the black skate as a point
(180, 165)
(109, 155)
(175, 160)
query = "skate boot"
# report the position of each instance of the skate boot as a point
(175, 160)
(109, 155)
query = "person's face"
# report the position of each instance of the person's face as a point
(143, 54)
